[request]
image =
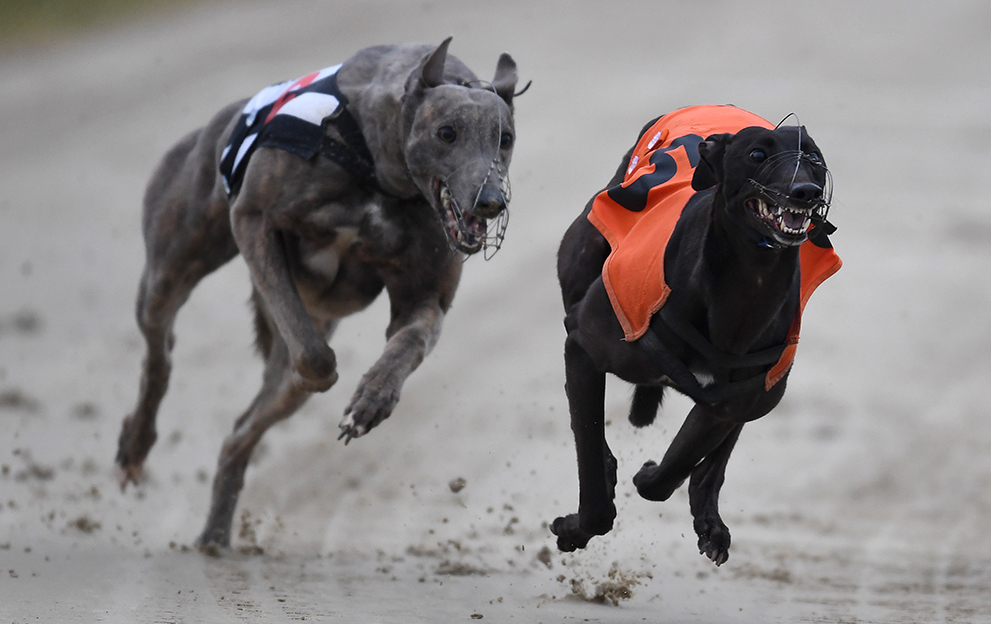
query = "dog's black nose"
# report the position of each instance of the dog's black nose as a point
(806, 192)
(490, 203)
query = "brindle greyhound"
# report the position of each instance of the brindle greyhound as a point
(409, 176)
(732, 265)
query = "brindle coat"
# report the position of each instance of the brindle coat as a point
(320, 246)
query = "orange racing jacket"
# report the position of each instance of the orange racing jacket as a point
(638, 217)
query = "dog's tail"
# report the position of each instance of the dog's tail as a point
(646, 401)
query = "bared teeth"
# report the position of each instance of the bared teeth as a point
(778, 217)
(466, 231)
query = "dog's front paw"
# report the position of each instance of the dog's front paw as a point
(714, 539)
(570, 535)
(372, 403)
(315, 370)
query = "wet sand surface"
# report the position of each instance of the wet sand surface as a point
(864, 497)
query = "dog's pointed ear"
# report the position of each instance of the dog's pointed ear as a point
(710, 168)
(432, 72)
(505, 79)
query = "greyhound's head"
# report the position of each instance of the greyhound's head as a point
(773, 181)
(458, 140)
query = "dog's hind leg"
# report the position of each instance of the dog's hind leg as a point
(278, 399)
(585, 386)
(156, 312)
(701, 434)
(703, 494)
(187, 236)
(165, 286)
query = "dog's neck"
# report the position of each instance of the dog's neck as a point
(376, 105)
(752, 285)
(383, 133)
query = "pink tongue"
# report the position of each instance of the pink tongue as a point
(792, 220)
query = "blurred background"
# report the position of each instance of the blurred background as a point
(864, 497)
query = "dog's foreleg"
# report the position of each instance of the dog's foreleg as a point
(412, 334)
(703, 494)
(278, 399)
(701, 433)
(313, 363)
(585, 386)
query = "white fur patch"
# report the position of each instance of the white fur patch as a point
(704, 378)
(385, 231)
(327, 260)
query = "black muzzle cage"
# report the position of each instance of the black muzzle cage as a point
(777, 168)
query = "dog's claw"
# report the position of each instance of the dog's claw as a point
(350, 429)
(714, 540)
(128, 474)
(717, 557)
(372, 403)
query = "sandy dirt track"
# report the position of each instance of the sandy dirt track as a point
(865, 497)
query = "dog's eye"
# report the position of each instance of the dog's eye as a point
(506, 140)
(813, 157)
(758, 155)
(447, 134)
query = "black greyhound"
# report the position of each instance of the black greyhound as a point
(714, 313)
